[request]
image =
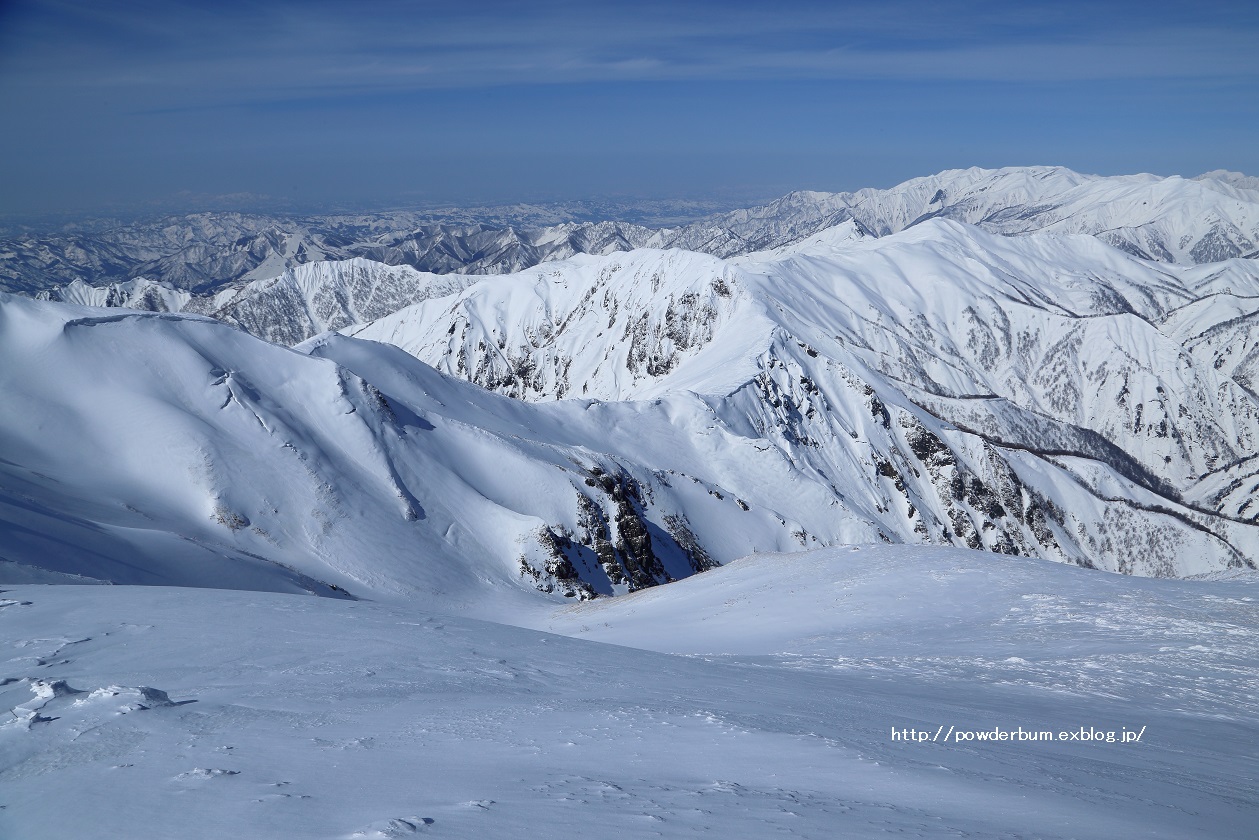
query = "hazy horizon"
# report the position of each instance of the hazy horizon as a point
(123, 106)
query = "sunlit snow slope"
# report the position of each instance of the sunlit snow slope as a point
(1174, 220)
(166, 449)
(1041, 395)
(210, 714)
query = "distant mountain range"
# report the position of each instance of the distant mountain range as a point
(205, 251)
(977, 359)
(1205, 219)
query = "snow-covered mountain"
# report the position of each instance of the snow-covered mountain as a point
(300, 303)
(943, 384)
(1212, 217)
(316, 297)
(799, 424)
(1236, 179)
(1164, 219)
(208, 252)
(286, 297)
(1044, 394)
(167, 449)
(141, 294)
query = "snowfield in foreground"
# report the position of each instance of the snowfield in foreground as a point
(203, 713)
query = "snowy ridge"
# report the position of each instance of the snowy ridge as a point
(614, 328)
(129, 294)
(940, 385)
(1209, 218)
(301, 302)
(209, 252)
(796, 424)
(1234, 179)
(321, 296)
(1163, 219)
(216, 459)
(1047, 395)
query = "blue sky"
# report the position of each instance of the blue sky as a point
(113, 104)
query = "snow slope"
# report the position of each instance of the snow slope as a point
(1165, 219)
(169, 449)
(1048, 396)
(1043, 395)
(299, 303)
(984, 618)
(946, 385)
(203, 713)
(313, 298)
(129, 294)
(143, 448)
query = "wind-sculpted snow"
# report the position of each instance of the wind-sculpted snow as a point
(211, 714)
(941, 385)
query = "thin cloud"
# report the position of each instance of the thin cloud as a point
(174, 52)
(109, 98)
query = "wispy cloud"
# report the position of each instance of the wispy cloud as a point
(366, 97)
(165, 54)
